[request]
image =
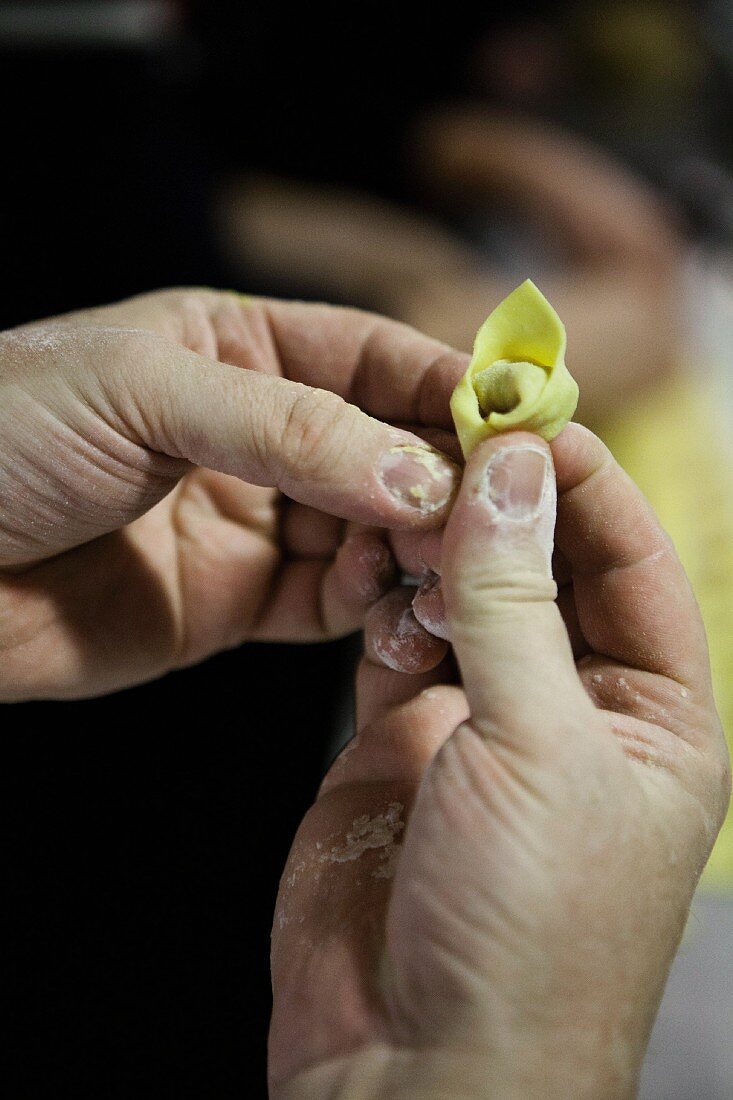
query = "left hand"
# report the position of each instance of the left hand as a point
(187, 470)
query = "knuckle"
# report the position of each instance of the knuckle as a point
(313, 436)
(462, 782)
(506, 586)
(109, 361)
(128, 360)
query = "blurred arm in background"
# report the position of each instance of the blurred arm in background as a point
(618, 247)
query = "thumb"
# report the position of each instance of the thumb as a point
(309, 443)
(507, 632)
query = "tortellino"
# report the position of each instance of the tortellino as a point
(517, 379)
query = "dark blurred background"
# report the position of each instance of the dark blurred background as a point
(420, 166)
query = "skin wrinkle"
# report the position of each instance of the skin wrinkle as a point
(565, 853)
(673, 684)
(599, 686)
(670, 766)
(304, 412)
(81, 458)
(144, 477)
(97, 355)
(381, 1069)
(137, 477)
(436, 920)
(620, 565)
(35, 494)
(131, 384)
(455, 942)
(582, 774)
(506, 591)
(511, 781)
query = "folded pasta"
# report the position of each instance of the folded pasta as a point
(517, 379)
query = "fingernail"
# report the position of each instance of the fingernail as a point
(419, 477)
(516, 481)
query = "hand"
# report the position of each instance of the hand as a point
(182, 471)
(486, 897)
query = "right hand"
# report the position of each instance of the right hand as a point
(545, 821)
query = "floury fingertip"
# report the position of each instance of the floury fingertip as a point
(514, 486)
(516, 481)
(419, 477)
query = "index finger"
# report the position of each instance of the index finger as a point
(634, 602)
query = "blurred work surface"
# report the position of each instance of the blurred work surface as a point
(690, 1055)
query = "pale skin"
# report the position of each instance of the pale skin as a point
(545, 813)
(186, 470)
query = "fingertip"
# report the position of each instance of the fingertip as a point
(419, 483)
(505, 512)
(361, 572)
(365, 567)
(405, 546)
(509, 639)
(577, 452)
(393, 636)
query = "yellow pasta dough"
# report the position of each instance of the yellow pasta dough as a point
(517, 379)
